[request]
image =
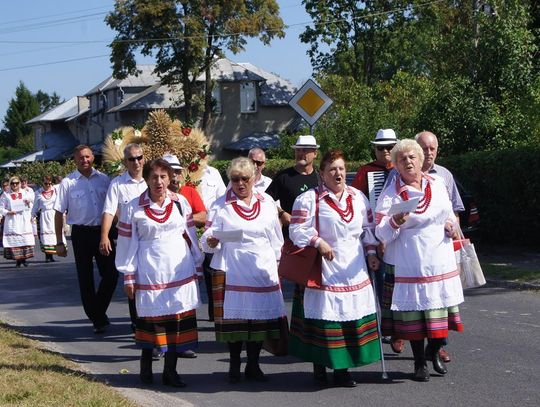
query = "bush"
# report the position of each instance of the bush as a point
(505, 186)
(36, 170)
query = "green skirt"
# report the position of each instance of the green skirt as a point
(337, 345)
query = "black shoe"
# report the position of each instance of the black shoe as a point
(319, 375)
(438, 365)
(254, 372)
(156, 354)
(187, 354)
(234, 371)
(342, 378)
(171, 378)
(421, 373)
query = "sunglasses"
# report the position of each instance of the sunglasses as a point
(47, 183)
(138, 158)
(258, 163)
(382, 148)
(14, 183)
(238, 179)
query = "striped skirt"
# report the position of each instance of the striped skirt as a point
(48, 249)
(168, 333)
(338, 345)
(18, 253)
(415, 325)
(235, 330)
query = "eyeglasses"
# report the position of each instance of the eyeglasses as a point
(138, 158)
(258, 163)
(47, 183)
(238, 179)
(14, 183)
(382, 148)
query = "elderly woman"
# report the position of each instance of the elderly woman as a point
(15, 207)
(335, 325)
(43, 207)
(158, 254)
(422, 285)
(247, 293)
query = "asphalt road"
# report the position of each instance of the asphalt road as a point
(495, 362)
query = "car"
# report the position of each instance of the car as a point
(469, 219)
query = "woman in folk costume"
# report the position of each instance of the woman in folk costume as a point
(158, 254)
(335, 325)
(15, 207)
(43, 207)
(247, 295)
(422, 284)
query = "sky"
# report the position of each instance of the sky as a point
(35, 48)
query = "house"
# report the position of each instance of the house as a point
(250, 109)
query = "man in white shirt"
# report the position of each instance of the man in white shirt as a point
(258, 157)
(30, 194)
(122, 190)
(212, 187)
(81, 194)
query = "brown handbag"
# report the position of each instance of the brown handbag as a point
(279, 346)
(302, 265)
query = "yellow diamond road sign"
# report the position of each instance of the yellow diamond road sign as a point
(310, 102)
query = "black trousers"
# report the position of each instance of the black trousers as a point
(85, 240)
(208, 283)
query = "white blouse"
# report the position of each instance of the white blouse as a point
(346, 293)
(157, 257)
(44, 205)
(426, 275)
(18, 231)
(252, 288)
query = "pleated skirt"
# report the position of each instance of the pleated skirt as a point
(18, 253)
(177, 332)
(415, 325)
(235, 330)
(334, 344)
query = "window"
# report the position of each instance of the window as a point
(248, 97)
(216, 99)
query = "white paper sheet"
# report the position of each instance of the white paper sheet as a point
(18, 205)
(228, 235)
(404, 207)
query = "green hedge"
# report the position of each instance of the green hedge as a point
(273, 166)
(506, 188)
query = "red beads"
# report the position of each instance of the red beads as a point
(247, 214)
(348, 214)
(423, 204)
(159, 217)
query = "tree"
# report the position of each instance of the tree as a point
(367, 40)
(20, 109)
(186, 36)
(46, 101)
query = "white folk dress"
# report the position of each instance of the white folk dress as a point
(18, 237)
(426, 275)
(43, 206)
(252, 290)
(157, 258)
(346, 292)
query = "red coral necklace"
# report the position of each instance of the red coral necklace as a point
(248, 214)
(348, 214)
(158, 216)
(47, 194)
(423, 204)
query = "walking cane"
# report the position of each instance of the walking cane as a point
(378, 313)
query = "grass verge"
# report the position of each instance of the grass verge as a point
(30, 376)
(506, 272)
